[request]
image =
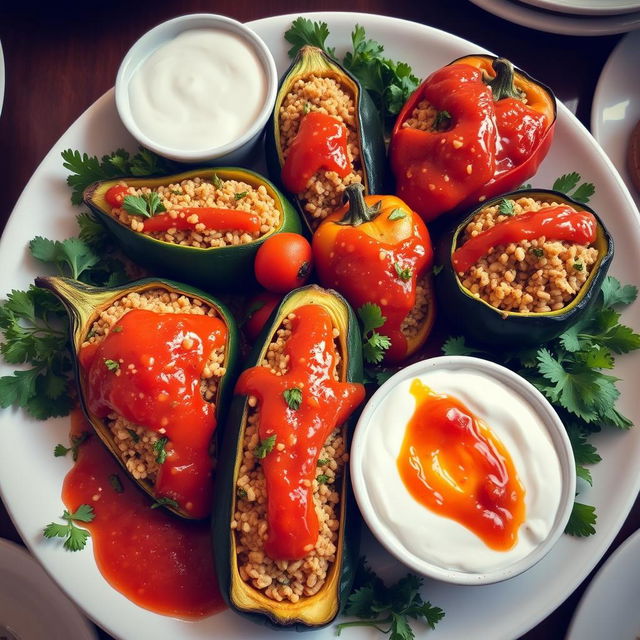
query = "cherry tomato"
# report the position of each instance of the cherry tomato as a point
(115, 195)
(283, 262)
(259, 309)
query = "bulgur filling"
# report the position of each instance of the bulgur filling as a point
(327, 95)
(530, 276)
(285, 580)
(136, 442)
(414, 320)
(199, 192)
(425, 118)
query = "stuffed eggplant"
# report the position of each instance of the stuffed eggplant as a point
(203, 226)
(284, 462)
(154, 360)
(522, 268)
(325, 134)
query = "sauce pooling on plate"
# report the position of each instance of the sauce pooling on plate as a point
(158, 561)
(202, 90)
(453, 464)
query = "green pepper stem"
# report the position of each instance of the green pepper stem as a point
(503, 85)
(358, 211)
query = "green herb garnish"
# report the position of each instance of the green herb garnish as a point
(76, 442)
(389, 83)
(112, 365)
(265, 447)
(134, 436)
(164, 502)
(404, 273)
(323, 462)
(242, 494)
(569, 181)
(75, 538)
(578, 266)
(373, 344)
(293, 397)
(159, 449)
(240, 195)
(322, 478)
(506, 207)
(217, 182)
(537, 252)
(388, 609)
(146, 205)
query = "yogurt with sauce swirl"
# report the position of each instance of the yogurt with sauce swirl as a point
(201, 90)
(421, 537)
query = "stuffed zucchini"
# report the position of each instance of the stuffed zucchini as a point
(154, 360)
(284, 541)
(325, 134)
(522, 268)
(203, 226)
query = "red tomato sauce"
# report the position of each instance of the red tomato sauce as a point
(300, 433)
(148, 370)
(156, 560)
(453, 464)
(321, 143)
(364, 270)
(554, 223)
(211, 217)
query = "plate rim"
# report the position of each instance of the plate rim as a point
(535, 618)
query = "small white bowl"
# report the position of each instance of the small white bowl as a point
(233, 152)
(391, 517)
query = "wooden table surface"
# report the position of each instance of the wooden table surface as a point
(63, 56)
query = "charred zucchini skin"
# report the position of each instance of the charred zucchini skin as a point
(331, 598)
(482, 323)
(370, 127)
(227, 268)
(84, 303)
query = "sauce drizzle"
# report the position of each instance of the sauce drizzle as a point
(453, 464)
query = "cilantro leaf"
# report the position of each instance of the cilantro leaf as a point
(566, 182)
(613, 293)
(582, 520)
(76, 442)
(569, 181)
(506, 207)
(371, 317)
(265, 447)
(374, 346)
(388, 608)
(159, 449)
(404, 273)
(322, 478)
(293, 397)
(75, 538)
(457, 346)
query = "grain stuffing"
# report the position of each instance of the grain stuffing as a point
(199, 192)
(324, 191)
(529, 276)
(135, 442)
(281, 579)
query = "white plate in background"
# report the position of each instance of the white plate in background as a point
(609, 607)
(570, 25)
(32, 607)
(616, 104)
(587, 7)
(490, 612)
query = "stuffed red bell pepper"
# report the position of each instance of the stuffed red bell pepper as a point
(472, 130)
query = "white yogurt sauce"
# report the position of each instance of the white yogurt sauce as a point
(199, 91)
(441, 541)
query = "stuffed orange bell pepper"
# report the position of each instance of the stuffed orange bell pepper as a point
(472, 130)
(377, 251)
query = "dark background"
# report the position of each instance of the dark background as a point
(61, 56)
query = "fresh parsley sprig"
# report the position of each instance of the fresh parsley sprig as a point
(75, 538)
(86, 169)
(570, 181)
(571, 372)
(293, 397)
(147, 205)
(374, 344)
(388, 609)
(265, 447)
(388, 82)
